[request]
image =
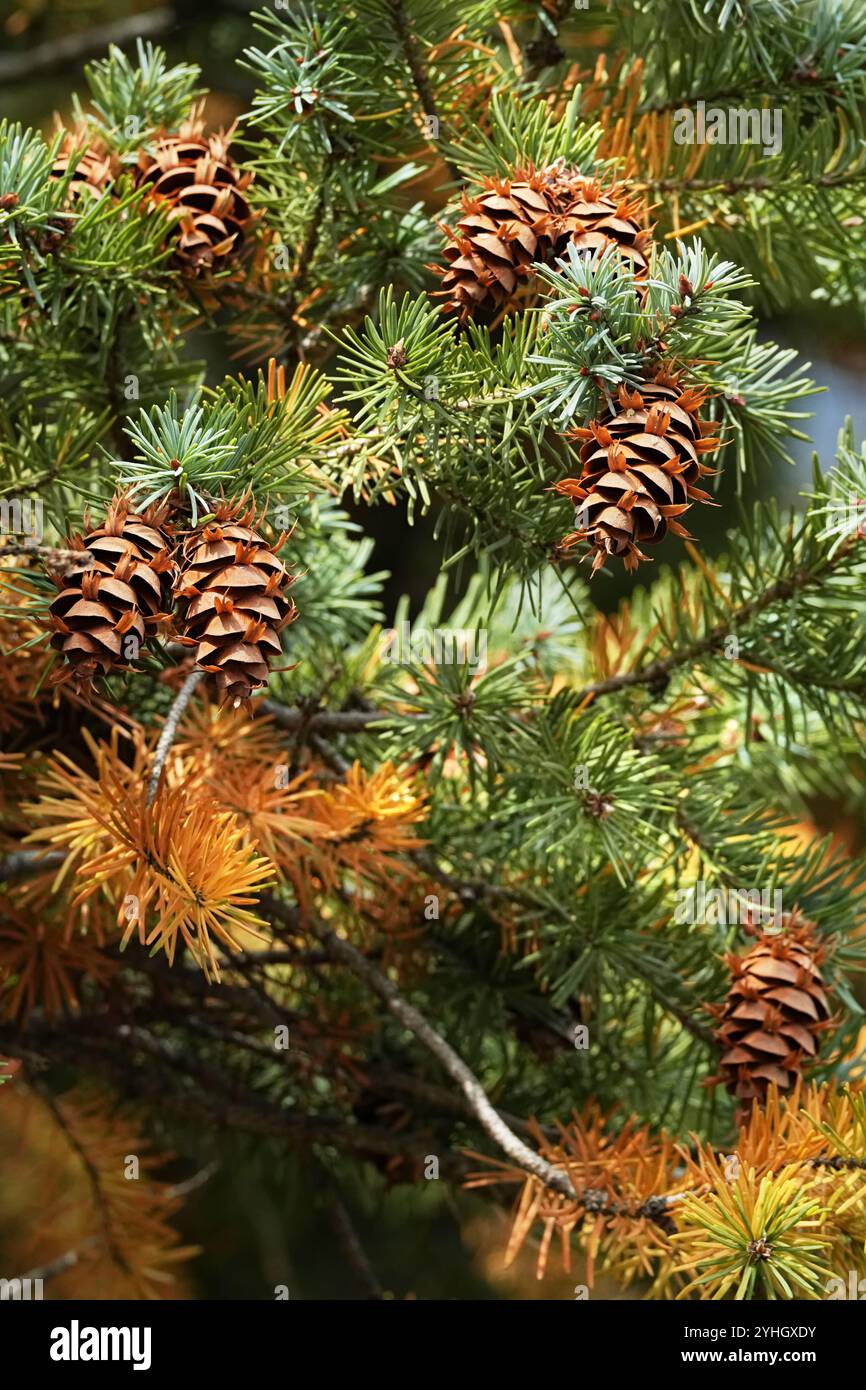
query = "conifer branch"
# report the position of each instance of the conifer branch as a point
(222, 1107)
(71, 1258)
(344, 952)
(287, 304)
(114, 369)
(658, 671)
(592, 348)
(329, 755)
(415, 64)
(93, 1177)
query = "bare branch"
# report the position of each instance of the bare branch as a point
(411, 1018)
(169, 733)
(350, 721)
(23, 862)
(68, 1260)
(58, 558)
(349, 1239)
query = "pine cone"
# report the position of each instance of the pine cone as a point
(532, 217)
(107, 603)
(234, 607)
(94, 169)
(775, 1011)
(194, 173)
(640, 469)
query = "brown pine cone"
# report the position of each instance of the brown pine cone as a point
(232, 589)
(641, 465)
(93, 173)
(775, 1012)
(530, 218)
(109, 601)
(195, 173)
